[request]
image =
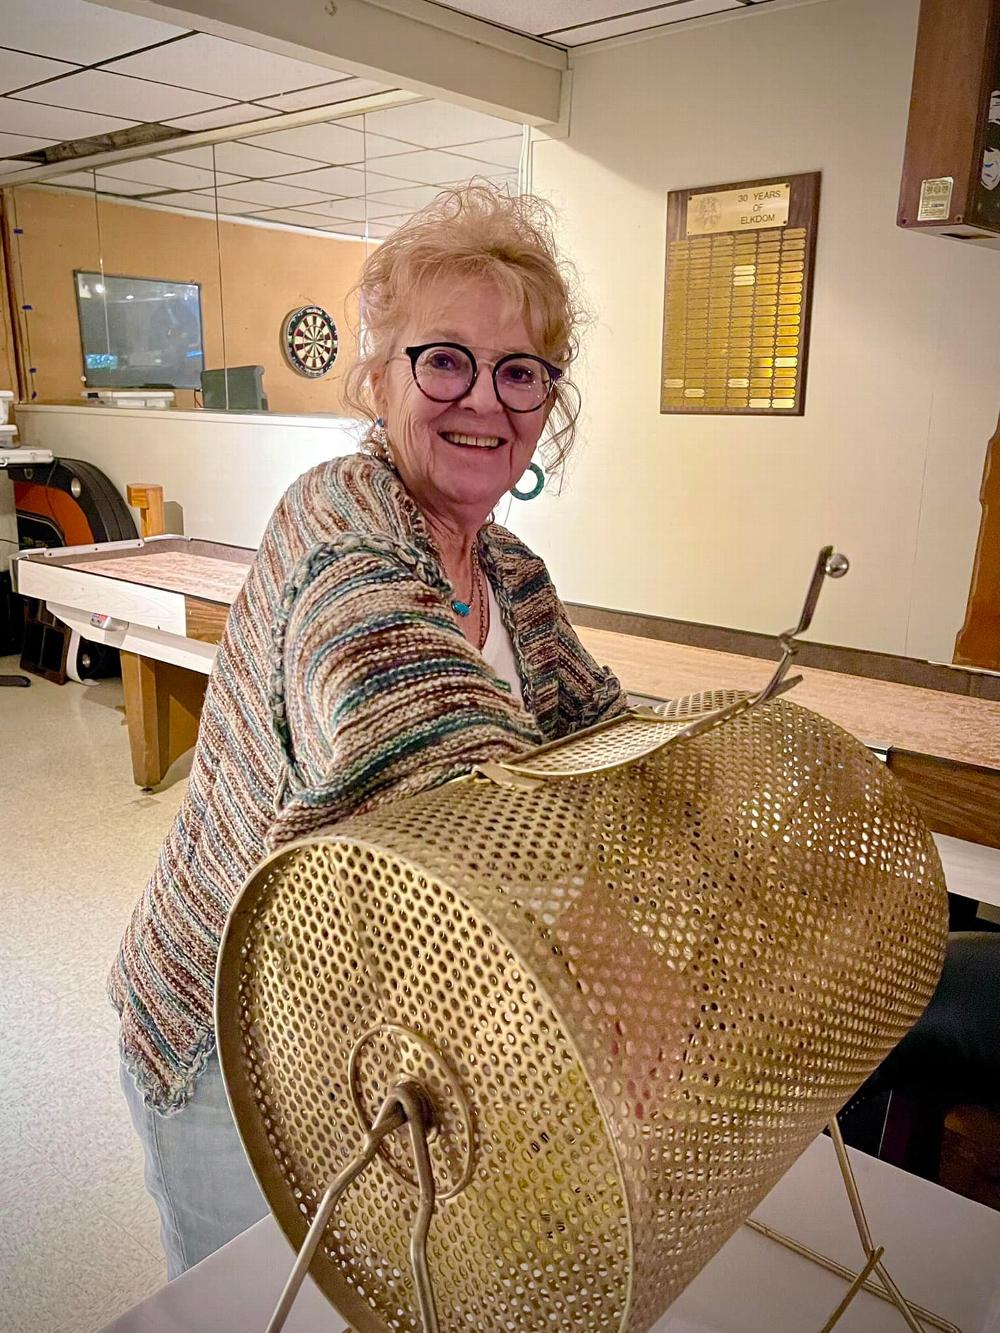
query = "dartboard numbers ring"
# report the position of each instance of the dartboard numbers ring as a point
(309, 340)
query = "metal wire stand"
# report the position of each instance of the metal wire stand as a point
(915, 1317)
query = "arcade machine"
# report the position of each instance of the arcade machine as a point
(55, 502)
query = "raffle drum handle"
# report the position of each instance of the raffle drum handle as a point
(405, 1104)
(542, 764)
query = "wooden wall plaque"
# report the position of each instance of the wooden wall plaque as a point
(951, 167)
(737, 296)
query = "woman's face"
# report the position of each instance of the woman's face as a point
(457, 459)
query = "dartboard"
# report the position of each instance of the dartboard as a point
(310, 341)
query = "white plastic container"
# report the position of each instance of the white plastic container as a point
(154, 398)
(6, 403)
(8, 437)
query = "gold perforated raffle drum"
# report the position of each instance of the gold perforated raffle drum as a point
(631, 975)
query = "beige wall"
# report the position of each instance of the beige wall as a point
(718, 519)
(222, 473)
(265, 272)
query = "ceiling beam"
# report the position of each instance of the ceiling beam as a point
(415, 44)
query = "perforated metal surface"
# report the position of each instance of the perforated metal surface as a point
(625, 739)
(649, 987)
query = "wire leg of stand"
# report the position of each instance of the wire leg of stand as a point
(916, 1317)
(856, 1286)
(389, 1118)
(895, 1295)
(831, 1266)
(851, 1185)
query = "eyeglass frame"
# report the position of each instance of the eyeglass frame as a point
(555, 373)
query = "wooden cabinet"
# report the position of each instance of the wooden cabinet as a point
(951, 169)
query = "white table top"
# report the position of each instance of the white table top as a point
(940, 1248)
(970, 869)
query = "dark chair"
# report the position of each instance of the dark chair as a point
(933, 1105)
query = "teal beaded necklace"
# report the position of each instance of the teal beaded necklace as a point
(464, 609)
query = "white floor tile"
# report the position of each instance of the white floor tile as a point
(78, 1234)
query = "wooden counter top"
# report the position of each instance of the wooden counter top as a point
(927, 722)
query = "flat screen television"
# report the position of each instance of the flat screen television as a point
(139, 333)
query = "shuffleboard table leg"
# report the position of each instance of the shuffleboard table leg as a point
(162, 708)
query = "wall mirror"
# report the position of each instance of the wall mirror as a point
(220, 272)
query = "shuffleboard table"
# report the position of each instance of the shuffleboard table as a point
(163, 602)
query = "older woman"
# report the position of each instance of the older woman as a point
(388, 637)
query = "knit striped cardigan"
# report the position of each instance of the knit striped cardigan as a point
(342, 681)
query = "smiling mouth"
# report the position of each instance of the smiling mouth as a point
(471, 441)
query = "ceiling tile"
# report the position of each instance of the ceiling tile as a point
(84, 180)
(292, 217)
(76, 31)
(330, 144)
(641, 20)
(530, 16)
(436, 124)
(408, 197)
(377, 146)
(234, 114)
(202, 203)
(115, 95)
(376, 230)
(215, 65)
(430, 168)
(168, 175)
(248, 160)
(18, 70)
(20, 143)
(275, 193)
(11, 164)
(79, 180)
(346, 227)
(54, 124)
(548, 17)
(193, 157)
(379, 230)
(499, 152)
(324, 94)
(349, 181)
(353, 210)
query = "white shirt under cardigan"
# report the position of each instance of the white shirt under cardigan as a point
(498, 651)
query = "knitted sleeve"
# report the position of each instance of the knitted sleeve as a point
(376, 694)
(588, 693)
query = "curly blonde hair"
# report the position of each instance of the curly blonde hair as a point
(474, 231)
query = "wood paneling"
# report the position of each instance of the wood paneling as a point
(205, 620)
(961, 800)
(163, 706)
(8, 349)
(251, 277)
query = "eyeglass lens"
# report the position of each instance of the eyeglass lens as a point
(447, 373)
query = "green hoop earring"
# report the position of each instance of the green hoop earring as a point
(539, 485)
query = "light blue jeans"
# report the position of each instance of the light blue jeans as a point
(196, 1170)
